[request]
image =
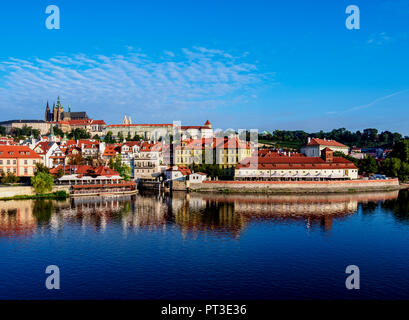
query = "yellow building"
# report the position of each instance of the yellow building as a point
(225, 152)
(19, 160)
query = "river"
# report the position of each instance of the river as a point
(207, 246)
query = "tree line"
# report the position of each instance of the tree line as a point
(370, 138)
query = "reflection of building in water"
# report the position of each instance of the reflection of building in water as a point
(16, 218)
(225, 215)
(322, 208)
(148, 213)
(193, 214)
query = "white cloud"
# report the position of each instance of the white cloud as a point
(379, 39)
(130, 83)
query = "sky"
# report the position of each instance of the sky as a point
(288, 65)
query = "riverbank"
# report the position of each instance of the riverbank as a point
(65, 191)
(298, 187)
(58, 195)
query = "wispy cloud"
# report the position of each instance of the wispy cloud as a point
(379, 39)
(376, 101)
(132, 82)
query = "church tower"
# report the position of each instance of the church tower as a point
(47, 115)
(57, 111)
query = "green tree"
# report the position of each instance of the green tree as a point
(42, 182)
(123, 169)
(368, 165)
(108, 137)
(401, 150)
(404, 172)
(58, 132)
(9, 177)
(79, 133)
(41, 168)
(391, 166)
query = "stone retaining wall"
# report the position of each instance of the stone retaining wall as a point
(295, 186)
(6, 192)
(16, 191)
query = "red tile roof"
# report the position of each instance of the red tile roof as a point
(285, 162)
(140, 125)
(323, 142)
(85, 170)
(18, 152)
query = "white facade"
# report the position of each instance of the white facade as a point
(297, 174)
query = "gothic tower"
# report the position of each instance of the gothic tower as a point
(47, 115)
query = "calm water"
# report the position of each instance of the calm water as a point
(207, 246)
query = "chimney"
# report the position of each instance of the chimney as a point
(327, 155)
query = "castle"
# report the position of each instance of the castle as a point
(59, 114)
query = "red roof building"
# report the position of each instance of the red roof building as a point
(326, 167)
(19, 160)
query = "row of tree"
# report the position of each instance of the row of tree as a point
(367, 138)
(395, 165)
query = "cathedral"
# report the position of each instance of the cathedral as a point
(59, 114)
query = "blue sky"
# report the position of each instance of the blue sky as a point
(240, 64)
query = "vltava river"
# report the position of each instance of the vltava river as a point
(203, 246)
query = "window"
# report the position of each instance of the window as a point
(14, 161)
(25, 161)
(1, 161)
(8, 161)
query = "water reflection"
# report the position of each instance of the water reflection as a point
(191, 213)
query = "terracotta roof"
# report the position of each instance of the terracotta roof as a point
(140, 125)
(17, 152)
(285, 162)
(184, 170)
(323, 142)
(80, 122)
(85, 170)
(98, 122)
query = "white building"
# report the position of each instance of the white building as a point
(314, 147)
(198, 177)
(278, 167)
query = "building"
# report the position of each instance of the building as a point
(314, 147)
(280, 167)
(177, 173)
(58, 113)
(19, 160)
(50, 153)
(40, 125)
(84, 179)
(148, 162)
(155, 132)
(226, 152)
(198, 177)
(94, 127)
